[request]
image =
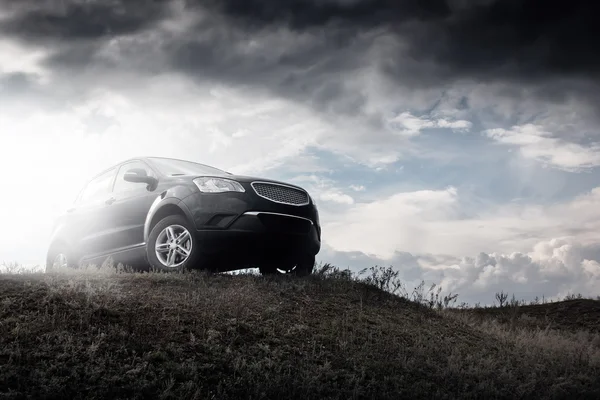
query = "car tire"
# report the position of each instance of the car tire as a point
(59, 257)
(303, 266)
(163, 245)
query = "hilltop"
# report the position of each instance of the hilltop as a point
(173, 336)
(567, 316)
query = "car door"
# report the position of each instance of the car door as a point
(87, 219)
(131, 203)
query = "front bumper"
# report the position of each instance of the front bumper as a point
(256, 239)
(263, 230)
(238, 230)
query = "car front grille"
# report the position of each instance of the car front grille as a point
(281, 193)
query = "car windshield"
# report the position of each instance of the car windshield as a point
(172, 167)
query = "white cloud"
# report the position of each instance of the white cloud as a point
(336, 197)
(536, 143)
(408, 125)
(460, 125)
(165, 118)
(434, 222)
(553, 268)
(324, 189)
(395, 223)
(357, 188)
(16, 59)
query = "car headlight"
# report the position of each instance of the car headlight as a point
(217, 185)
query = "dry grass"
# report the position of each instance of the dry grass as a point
(104, 334)
(567, 315)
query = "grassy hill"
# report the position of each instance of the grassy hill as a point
(172, 336)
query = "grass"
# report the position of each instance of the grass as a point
(102, 333)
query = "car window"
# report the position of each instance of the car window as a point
(98, 188)
(122, 186)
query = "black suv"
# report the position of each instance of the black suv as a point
(173, 214)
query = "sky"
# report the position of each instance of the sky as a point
(455, 140)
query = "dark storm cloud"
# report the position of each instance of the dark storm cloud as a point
(305, 14)
(312, 49)
(476, 38)
(463, 37)
(548, 46)
(79, 19)
(526, 39)
(308, 68)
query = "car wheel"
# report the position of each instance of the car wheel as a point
(172, 246)
(302, 267)
(60, 258)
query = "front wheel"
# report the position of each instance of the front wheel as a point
(303, 266)
(172, 245)
(60, 258)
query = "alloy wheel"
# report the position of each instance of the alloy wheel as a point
(173, 246)
(60, 261)
(290, 270)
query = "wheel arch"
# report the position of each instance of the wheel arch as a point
(59, 239)
(163, 207)
(55, 244)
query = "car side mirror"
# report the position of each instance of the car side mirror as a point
(139, 175)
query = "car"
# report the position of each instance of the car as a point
(173, 214)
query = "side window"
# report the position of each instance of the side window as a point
(98, 188)
(122, 186)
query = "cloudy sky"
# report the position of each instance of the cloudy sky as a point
(457, 140)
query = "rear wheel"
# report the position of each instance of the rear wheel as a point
(303, 266)
(172, 245)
